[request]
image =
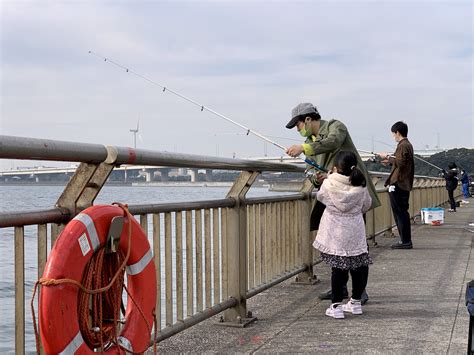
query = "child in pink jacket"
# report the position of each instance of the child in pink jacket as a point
(341, 236)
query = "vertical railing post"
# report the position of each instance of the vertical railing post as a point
(19, 290)
(236, 233)
(370, 226)
(307, 276)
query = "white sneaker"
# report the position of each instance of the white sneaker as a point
(353, 306)
(335, 311)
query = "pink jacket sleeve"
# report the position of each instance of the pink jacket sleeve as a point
(322, 194)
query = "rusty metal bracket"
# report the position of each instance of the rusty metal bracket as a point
(86, 184)
(84, 187)
(242, 185)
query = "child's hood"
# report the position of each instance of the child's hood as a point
(343, 196)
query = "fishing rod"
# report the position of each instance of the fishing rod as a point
(417, 157)
(369, 152)
(203, 108)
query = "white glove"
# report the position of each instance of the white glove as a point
(391, 188)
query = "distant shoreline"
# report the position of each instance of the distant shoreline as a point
(142, 184)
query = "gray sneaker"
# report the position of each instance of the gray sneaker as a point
(328, 294)
(364, 297)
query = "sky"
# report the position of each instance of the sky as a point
(366, 63)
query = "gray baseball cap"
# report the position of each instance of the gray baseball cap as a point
(304, 108)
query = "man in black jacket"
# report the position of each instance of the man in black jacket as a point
(451, 177)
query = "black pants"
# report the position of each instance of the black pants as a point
(316, 214)
(451, 199)
(399, 201)
(340, 277)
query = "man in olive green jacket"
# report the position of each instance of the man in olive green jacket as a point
(324, 139)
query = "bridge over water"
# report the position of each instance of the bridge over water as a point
(233, 256)
(132, 173)
(124, 173)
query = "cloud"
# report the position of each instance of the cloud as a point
(366, 63)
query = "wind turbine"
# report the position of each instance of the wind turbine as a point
(135, 132)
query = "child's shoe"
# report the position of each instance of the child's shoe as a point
(353, 306)
(335, 311)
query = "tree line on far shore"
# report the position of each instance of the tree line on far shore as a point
(463, 157)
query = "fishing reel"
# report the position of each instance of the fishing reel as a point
(375, 159)
(314, 175)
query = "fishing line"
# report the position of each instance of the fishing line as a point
(202, 107)
(427, 162)
(388, 145)
(417, 157)
(267, 135)
(369, 152)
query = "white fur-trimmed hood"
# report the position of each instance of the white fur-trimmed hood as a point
(340, 195)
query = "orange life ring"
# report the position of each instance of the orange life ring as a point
(58, 305)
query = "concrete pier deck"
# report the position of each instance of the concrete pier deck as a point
(416, 304)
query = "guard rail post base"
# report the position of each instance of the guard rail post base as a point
(238, 322)
(299, 280)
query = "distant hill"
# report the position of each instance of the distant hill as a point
(463, 157)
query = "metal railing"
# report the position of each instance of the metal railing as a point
(212, 255)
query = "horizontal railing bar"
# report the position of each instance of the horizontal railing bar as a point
(17, 219)
(392, 226)
(57, 215)
(317, 261)
(372, 236)
(155, 158)
(180, 206)
(384, 189)
(60, 215)
(12, 147)
(255, 291)
(386, 174)
(195, 319)
(265, 199)
(286, 276)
